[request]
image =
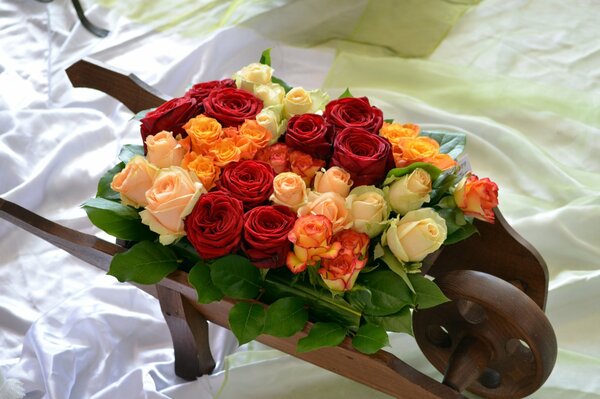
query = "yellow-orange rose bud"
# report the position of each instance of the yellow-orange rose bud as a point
(225, 151)
(334, 179)
(396, 132)
(170, 199)
(203, 132)
(204, 168)
(418, 148)
(255, 133)
(133, 181)
(164, 150)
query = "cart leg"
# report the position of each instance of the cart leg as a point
(189, 331)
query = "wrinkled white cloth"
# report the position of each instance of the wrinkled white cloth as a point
(67, 331)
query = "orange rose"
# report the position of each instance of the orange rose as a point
(170, 199)
(477, 197)
(289, 190)
(246, 146)
(441, 161)
(257, 134)
(164, 150)
(276, 155)
(340, 273)
(225, 152)
(311, 236)
(305, 166)
(418, 148)
(330, 205)
(396, 132)
(204, 132)
(133, 181)
(335, 179)
(203, 167)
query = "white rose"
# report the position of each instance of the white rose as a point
(416, 235)
(251, 75)
(410, 191)
(270, 94)
(299, 101)
(369, 210)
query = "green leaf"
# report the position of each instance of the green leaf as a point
(396, 266)
(452, 144)
(428, 293)
(199, 278)
(346, 94)
(370, 338)
(389, 293)
(396, 173)
(286, 86)
(142, 114)
(128, 151)
(246, 321)
(322, 335)
(359, 296)
(265, 57)
(285, 317)
(236, 277)
(462, 233)
(144, 263)
(117, 220)
(185, 250)
(104, 190)
(397, 322)
(458, 227)
(388, 120)
(441, 186)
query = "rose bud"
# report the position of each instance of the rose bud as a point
(231, 107)
(271, 94)
(289, 190)
(215, 225)
(477, 197)
(410, 191)
(369, 210)
(339, 274)
(203, 167)
(133, 181)
(415, 235)
(367, 157)
(253, 74)
(354, 112)
(265, 239)
(170, 199)
(203, 133)
(309, 133)
(335, 180)
(164, 150)
(170, 116)
(299, 101)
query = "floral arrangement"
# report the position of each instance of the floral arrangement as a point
(279, 196)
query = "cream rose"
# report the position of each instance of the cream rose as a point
(331, 205)
(251, 75)
(410, 191)
(334, 179)
(170, 199)
(289, 190)
(416, 235)
(164, 150)
(271, 94)
(369, 210)
(270, 118)
(299, 101)
(133, 181)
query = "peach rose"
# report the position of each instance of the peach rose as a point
(204, 168)
(133, 181)
(224, 152)
(334, 179)
(289, 190)
(170, 199)
(410, 191)
(277, 155)
(477, 197)
(204, 132)
(305, 166)
(164, 150)
(331, 205)
(311, 237)
(396, 132)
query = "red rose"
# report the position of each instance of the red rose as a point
(276, 155)
(249, 181)
(232, 106)
(311, 134)
(353, 112)
(200, 91)
(170, 116)
(215, 225)
(366, 156)
(265, 238)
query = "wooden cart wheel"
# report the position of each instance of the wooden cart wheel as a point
(491, 339)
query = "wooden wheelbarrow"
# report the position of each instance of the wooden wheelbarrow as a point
(492, 339)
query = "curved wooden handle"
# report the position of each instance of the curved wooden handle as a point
(127, 88)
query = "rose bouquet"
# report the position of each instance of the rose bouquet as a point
(274, 195)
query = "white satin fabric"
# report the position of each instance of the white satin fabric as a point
(68, 331)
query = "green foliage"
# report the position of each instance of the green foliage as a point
(396, 173)
(285, 317)
(458, 227)
(322, 335)
(388, 120)
(370, 338)
(346, 94)
(117, 220)
(452, 144)
(265, 57)
(142, 114)
(236, 277)
(128, 151)
(397, 322)
(104, 190)
(388, 293)
(428, 293)
(246, 321)
(199, 278)
(145, 263)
